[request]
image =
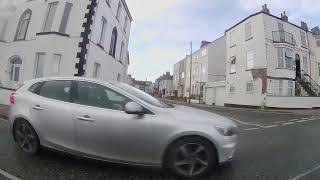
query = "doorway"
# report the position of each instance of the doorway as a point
(298, 67)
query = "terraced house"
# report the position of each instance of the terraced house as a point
(270, 62)
(43, 38)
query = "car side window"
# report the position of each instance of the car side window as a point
(58, 90)
(95, 95)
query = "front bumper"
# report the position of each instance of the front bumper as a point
(227, 149)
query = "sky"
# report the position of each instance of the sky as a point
(163, 29)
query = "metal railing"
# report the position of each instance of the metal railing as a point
(283, 37)
(310, 85)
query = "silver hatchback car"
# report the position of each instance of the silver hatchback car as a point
(118, 123)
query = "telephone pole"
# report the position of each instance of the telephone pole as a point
(190, 72)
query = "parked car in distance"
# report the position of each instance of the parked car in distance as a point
(115, 122)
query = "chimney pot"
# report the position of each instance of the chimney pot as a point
(284, 17)
(265, 9)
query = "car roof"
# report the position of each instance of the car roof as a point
(68, 78)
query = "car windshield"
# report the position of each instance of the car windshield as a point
(141, 95)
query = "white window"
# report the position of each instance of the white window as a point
(50, 16)
(232, 89)
(15, 69)
(97, 70)
(305, 64)
(119, 11)
(65, 17)
(303, 39)
(290, 88)
(182, 74)
(250, 59)
(56, 65)
(280, 87)
(233, 65)
(280, 57)
(204, 52)
(250, 86)
(248, 31)
(289, 58)
(103, 31)
(318, 43)
(125, 24)
(39, 65)
(121, 52)
(119, 77)
(232, 40)
(23, 25)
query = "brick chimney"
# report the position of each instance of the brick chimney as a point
(265, 9)
(304, 26)
(168, 73)
(284, 17)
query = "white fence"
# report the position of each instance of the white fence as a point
(293, 102)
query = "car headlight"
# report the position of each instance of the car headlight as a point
(229, 131)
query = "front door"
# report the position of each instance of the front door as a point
(53, 110)
(298, 67)
(103, 129)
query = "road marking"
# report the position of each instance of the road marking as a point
(280, 122)
(287, 123)
(7, 175)
(250, 129)
(306, 173)
(245, 122)
(270, 126)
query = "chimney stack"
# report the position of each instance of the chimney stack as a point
(265, 9)
(168, 73)
(203, 43)
(316, 30)
(304, 26)
(284, 17)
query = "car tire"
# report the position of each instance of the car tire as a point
(181, 157)
(26, 137)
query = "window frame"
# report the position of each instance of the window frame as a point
(20, 24)
(65, 17)
(233, 63)
(303, 38)
(251, 52)
(36, 64)
(58, 65)
(248, 31)
(42, 83)
(113, 42)
(97, 70)
(102, 36)
(290, 89)
(76, 88)
(47, 16)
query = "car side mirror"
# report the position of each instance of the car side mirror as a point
(134, 108)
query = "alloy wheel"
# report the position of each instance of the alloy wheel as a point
(25, 137)
(191, 159)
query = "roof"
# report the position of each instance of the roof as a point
(255, 14)
(127, 9)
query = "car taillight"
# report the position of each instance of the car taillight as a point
(12, 98)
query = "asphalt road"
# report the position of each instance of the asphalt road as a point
(272, 146)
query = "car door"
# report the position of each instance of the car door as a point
(53, 112)
(104, 129)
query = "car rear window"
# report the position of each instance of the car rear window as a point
(35, 88)
(58, 90)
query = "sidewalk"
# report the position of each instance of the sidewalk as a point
(311, 112)
(4, 111)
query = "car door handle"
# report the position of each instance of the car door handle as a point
(37, 107)
(85, 118)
